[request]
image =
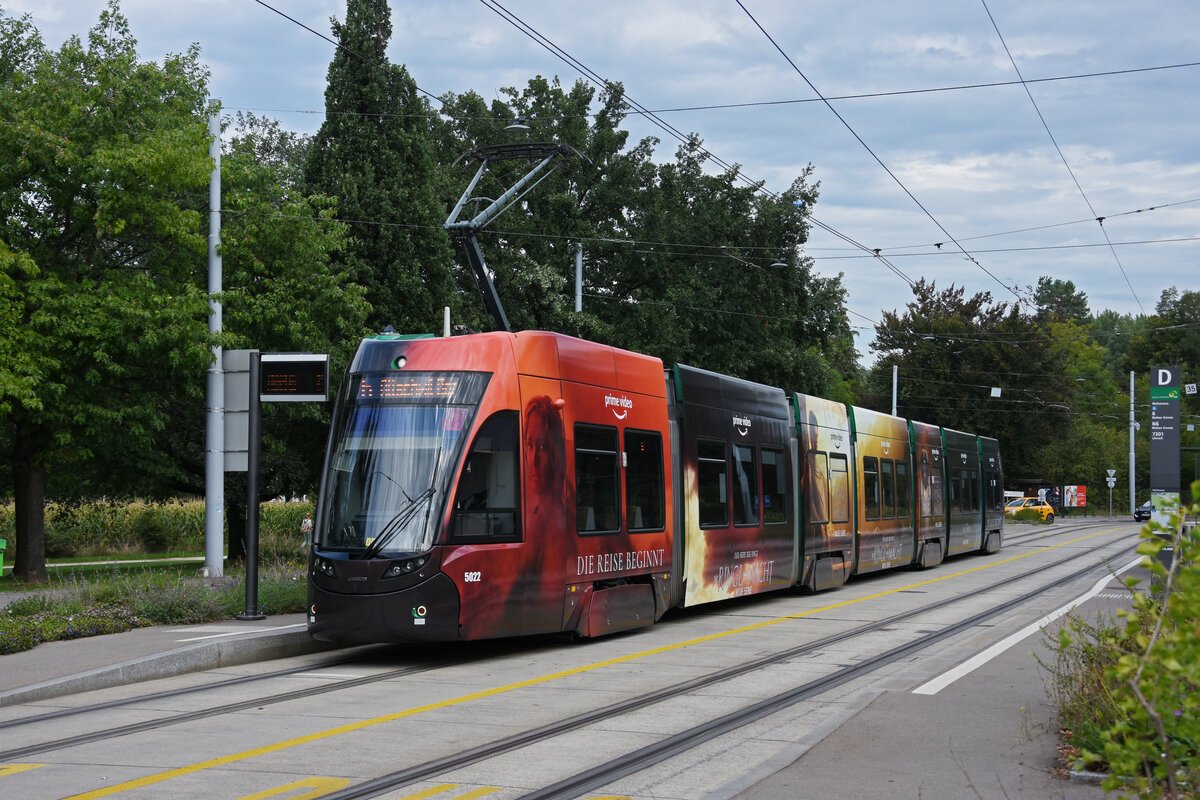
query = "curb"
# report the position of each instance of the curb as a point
(192, 658)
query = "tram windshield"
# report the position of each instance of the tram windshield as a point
(396, 440)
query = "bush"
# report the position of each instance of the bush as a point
(19, 633)
(118, 601)
(150, 530)
(1082, 693)
(1027, 515)
(1140, 681)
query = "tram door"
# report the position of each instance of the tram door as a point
(547, 548)
(930, 493)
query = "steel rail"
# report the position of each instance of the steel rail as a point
(647, 756)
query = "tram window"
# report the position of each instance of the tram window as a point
(937, 493)
(903, 491)
(839, 488)
(974, 478)
(995, 495)
(745, 486)
(597, 490)
(887, 482)
(871, 487)
(774, 478)
(962, 491)
(485, 502)
(713, 483)
(644, 496)
(818, 484)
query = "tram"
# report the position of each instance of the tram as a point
(509, 484)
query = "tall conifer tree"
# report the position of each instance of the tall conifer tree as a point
(374, 154)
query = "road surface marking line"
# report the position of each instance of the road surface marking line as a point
(232, 758)
(970, 665)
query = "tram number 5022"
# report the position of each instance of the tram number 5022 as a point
(472, 577)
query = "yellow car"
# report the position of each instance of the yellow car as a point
(1030, 504)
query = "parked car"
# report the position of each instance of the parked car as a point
(1030, 504)
(1142, 512)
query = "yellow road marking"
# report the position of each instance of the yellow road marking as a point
(480, 792)
(13, 769)
(320, 787)
(150, 780)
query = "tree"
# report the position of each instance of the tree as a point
(105, 319)
(679, 262)
(952, 350)
(1059, 301)
(373, 153)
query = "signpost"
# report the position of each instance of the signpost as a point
(1164, 438)
(264, 378)
(1112, 481)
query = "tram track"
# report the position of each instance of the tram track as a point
(484, 752)
(647, 756)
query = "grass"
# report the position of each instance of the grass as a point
(1082, 687)
(60, 570)
(89, 601)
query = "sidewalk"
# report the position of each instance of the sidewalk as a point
(54, 669)
(992, 733)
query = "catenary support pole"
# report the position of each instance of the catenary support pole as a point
(895, 382)
(214, 424)
(578, 278)
(1132, 457)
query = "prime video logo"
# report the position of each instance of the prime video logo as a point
(624, 404)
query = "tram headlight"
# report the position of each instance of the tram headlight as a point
(325, 567)
(405, 567)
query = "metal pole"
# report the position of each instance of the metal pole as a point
(214, 424)
(1132, 457)
(578, 277)
(895, 383)
(446, 321)
(253, 436)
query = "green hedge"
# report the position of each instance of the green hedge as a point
(110, 528)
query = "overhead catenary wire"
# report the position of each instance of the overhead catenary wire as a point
(786, 102)
(1057, 149)
(878, 160)
(687, 138)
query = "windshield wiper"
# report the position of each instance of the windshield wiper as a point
(397, 523)
(405, 514)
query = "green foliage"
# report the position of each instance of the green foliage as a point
(1128, 692)
(91, 606)
(106, 528)
(102, 159)
(374, 153)
(716, 278)
(1027, 515)
(1082, 693)
(1154, 749)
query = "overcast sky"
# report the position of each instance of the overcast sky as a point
(901, 170)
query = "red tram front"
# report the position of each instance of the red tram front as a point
(493, 485)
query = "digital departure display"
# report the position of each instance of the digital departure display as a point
(293, 377)
(457, 388)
